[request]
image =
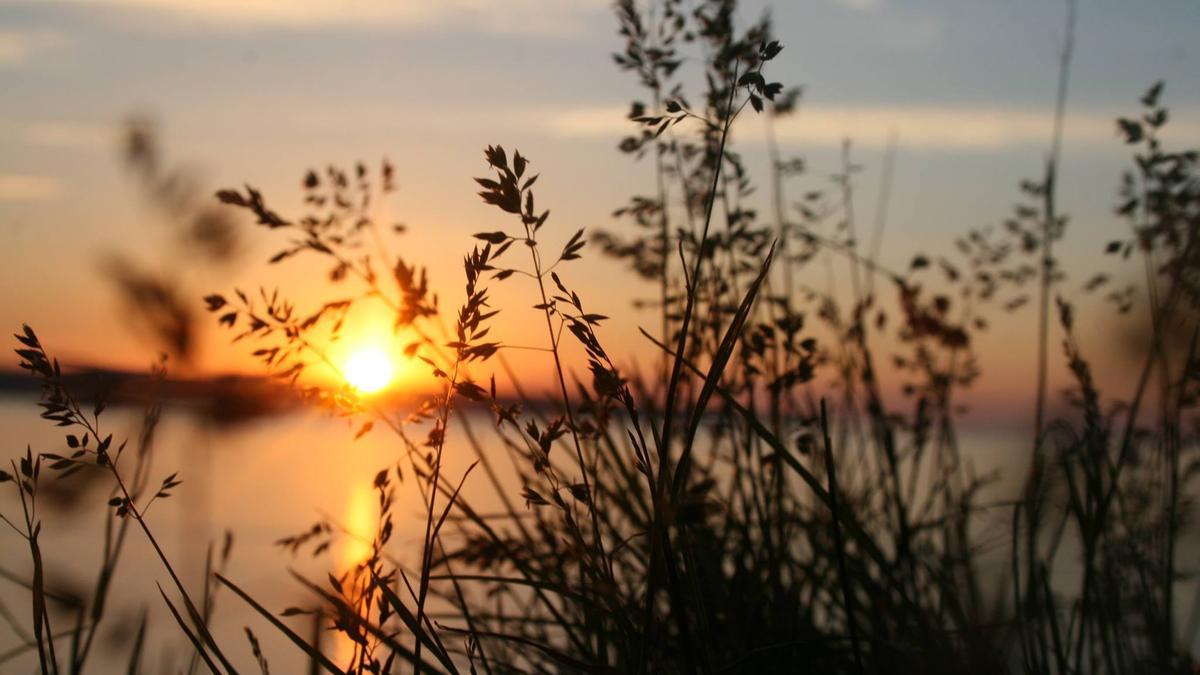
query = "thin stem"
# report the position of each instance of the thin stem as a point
(843, 574)
(427, 551)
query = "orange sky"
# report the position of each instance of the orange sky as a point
(258, 92)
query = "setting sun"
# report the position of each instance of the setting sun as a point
(369, 370)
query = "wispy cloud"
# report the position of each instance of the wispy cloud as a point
(591, 122)
(73, 135)
(933, 128)
(58, 134)
(18, 47)
(504, 16)
(938, 128)
(21, 188)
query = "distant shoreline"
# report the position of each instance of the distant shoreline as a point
(225, 398)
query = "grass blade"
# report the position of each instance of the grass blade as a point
(188, 632)
(374, 630)
(719, 361)
(290, 634)
(139, 643)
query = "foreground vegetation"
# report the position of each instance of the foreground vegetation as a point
(752, 501)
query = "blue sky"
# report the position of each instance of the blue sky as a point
(258, 90)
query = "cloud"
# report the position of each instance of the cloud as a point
(502, 16)
(60, 134)
(17, 47)
(80, 135)
(591, 122)
(934, 127)
(22, 188)
(928, 127)
(966, 128)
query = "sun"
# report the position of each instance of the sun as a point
(369, 370)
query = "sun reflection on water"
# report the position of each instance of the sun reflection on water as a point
(359, 519)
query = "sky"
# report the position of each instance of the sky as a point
(257, 91)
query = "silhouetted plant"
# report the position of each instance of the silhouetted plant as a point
(759, 503)
(129, 501)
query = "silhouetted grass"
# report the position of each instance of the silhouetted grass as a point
(755, 503)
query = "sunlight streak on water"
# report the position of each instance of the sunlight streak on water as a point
(359, 521)
(358, 518)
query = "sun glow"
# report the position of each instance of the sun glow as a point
(369, 370)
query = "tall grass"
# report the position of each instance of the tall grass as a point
(755, 502)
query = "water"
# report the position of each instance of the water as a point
(261, 481)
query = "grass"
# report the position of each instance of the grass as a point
(754, 504)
